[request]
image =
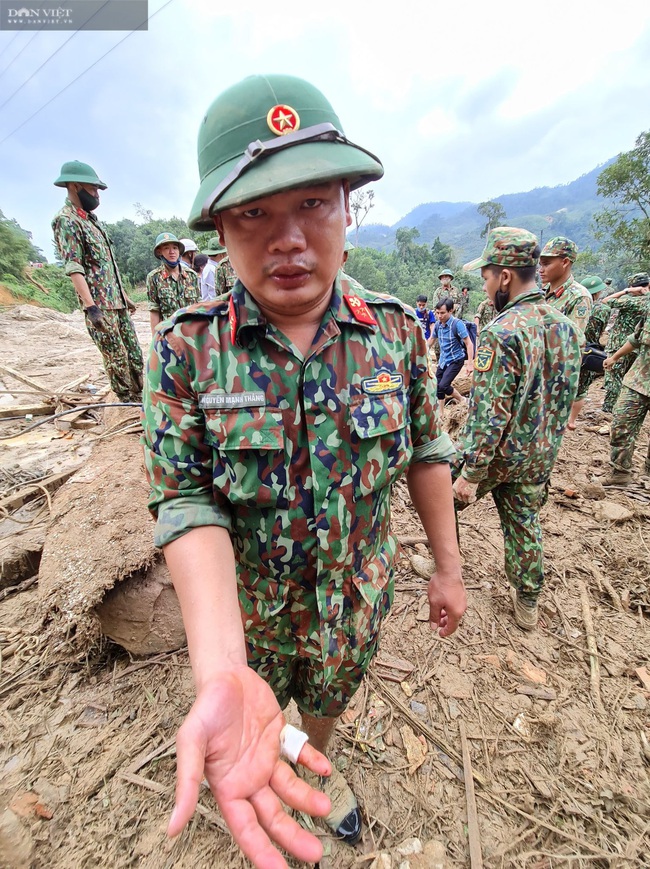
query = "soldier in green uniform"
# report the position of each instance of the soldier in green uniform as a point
(87, 254)
(596, 325)
(276, 421)
(632, 406)
(485, 313)
(447, 290)
(629, 307)
(561, 289)
(526, 374)
(170, 286)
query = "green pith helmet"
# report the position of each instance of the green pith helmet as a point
(446, 273)
(214, 247)
(79, 173)
(594, 284)
(164, 238)
(267, 134)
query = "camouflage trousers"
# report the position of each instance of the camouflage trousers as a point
(519, 505)
(586, 379)
(285, 640)
(121, 353)
(630, 411)
(614, 380)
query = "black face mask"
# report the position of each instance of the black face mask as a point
(87, 200)
(501, 299)
(170, 263)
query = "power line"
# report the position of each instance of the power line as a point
(54, 53)
(25, 46)
(88, 68)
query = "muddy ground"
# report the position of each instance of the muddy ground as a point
(557, 736)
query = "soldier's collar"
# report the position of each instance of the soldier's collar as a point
(560, 290)
(534, 295)
(348, 307)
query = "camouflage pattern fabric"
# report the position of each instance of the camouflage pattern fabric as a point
(85, 248)
(485, 313)
(507, 246)
(225, 277)
(121, 353)
(572, 300)
(628, 312)
(296, 459)
(462, 309)
(526, 374)
(519, 505)
(447, 293)
(596, 325)
(638, 377)
(630, 411)
(560, 246)
(167, 295)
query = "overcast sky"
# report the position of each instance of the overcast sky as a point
(461, 101)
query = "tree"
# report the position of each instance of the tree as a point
(494, 213)
(361, 201)
(626, 223)
(443, 254)
(16, 249)
(405, 241)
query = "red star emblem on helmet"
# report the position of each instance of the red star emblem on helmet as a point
(282, 120)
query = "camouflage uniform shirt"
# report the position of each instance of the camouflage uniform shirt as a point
(485, 313)
(638, 377)
(166, 295)
(573, 300)
(597, 323)
(526, 374)
(447, 293)
(224, 277)
(85, 249)
(627, 312)
(294, 455)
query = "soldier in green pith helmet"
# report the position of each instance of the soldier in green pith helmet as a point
(87, 254)
(525, 379)
(276, 420)
(170, 286)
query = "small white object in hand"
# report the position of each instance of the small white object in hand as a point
(292, 741)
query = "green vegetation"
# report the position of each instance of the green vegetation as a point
(624, 226)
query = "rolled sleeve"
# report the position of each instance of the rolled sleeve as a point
(178, 460)
(70, 245)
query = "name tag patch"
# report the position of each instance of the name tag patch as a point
(228, 400)
(384, 382)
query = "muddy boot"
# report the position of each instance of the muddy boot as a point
(617, 478)
(345, 818)
(526, 612)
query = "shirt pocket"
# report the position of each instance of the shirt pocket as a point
(380, 438)
(249, 465)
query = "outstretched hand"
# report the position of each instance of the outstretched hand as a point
(232, 736)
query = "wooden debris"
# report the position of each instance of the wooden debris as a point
(22, 410)
(644, 677)
(415, 747)
(23, 378)
(35, 490)
(594, 663)
(473, 832)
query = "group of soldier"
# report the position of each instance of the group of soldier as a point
(277, 415)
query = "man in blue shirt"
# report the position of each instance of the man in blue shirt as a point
(455, 350)
(426, 317)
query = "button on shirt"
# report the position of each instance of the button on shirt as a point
(295, 455)
(451, 336)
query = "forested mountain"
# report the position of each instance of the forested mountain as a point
(563, 210)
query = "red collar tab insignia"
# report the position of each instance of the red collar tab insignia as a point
(82, 213)
(282, 120)
(360, 310)
(232, 319)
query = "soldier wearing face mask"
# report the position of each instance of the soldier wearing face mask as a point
(87, 254)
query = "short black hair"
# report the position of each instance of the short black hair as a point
(200, 260)
(465, 288)
(445, 303)
(421, 298)
(526, 274)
